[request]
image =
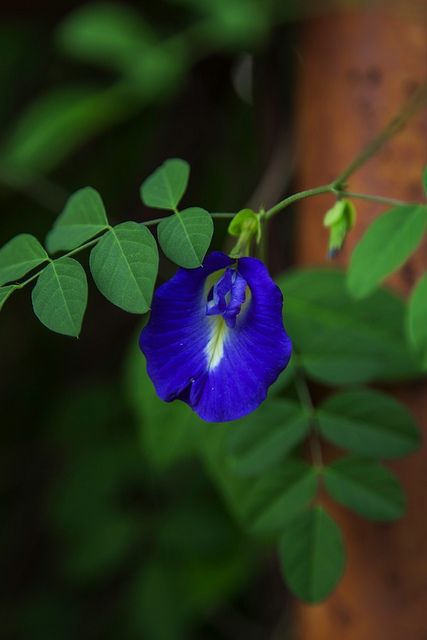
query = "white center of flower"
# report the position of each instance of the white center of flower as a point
(215, 347)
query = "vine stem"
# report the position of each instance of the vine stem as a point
(306, 401)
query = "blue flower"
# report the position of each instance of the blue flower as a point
(215, 338)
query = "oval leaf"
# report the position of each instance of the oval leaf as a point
(369, 423)
(264, 438)
(341, 340)
(312, 555)
(185, 237)
(416, 320)
(124, 266)
(166, 186)
(60, 296)
(5, 293)
(19, 256)
(386, 245)
(366, 487)
(277, 497)
(82, 218)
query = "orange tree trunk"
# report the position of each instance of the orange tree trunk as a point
(357, 70)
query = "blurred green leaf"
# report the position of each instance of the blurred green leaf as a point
(312, 555)
(164, 188)
(58, 122)
(60, 296)
(366, 487)
(340, 340)
(19, 256)
(83, 217)
(5, 293)
(124, 266)
(169, 431)
(109, 34)
(385, 246)
(277, 497)
(264, 438)
(185, 237)
(369, 423)
(416, 319)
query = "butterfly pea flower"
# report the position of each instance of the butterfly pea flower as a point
(215, 338)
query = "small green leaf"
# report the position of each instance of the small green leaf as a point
(124, 266)
(82, 218)
(19, 256)
(366, 487)
(60, 296)
(166, 186)
(386, 245)
(264, 438)
(340, 340)
(5, 293)
(312, 555)
(416, 319)
(185, 237)
(369, 423)
(277, 497)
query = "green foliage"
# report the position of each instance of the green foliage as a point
(276, 498)
(164, 188)
(416, 320)
(83, 217)
(385, 246)
(60, 296)
(111, 35)
(340, 340)
(5, 293)
(57, 123)
(366, 487)
(264, 438)
(124, 266)
(312, 555)
(368, 423)
(169, 432)
(19, 256)
(185, 237)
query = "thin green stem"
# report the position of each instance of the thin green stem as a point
(306, 401)
(300, 195)
(418, 100)
(366, 196)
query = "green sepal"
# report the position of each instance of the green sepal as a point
(245, 226)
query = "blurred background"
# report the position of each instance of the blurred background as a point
(111, 528)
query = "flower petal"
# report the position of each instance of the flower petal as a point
(254, 353)
(222, 372)
(177, 333)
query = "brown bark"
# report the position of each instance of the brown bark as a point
(357, 70)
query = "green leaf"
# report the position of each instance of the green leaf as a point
(111, 35)
(124, 266)
(185, 237)
(57, 123)
(169, 431)
(369, 423)
(19, 256)
(366, 487)
(312, 555)
(416, 320)
(277, 497)
(386, 245)
(82, 218)
(166, 186)
(5, 293)
(340, 340)
(266, 436)
(60, 296)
